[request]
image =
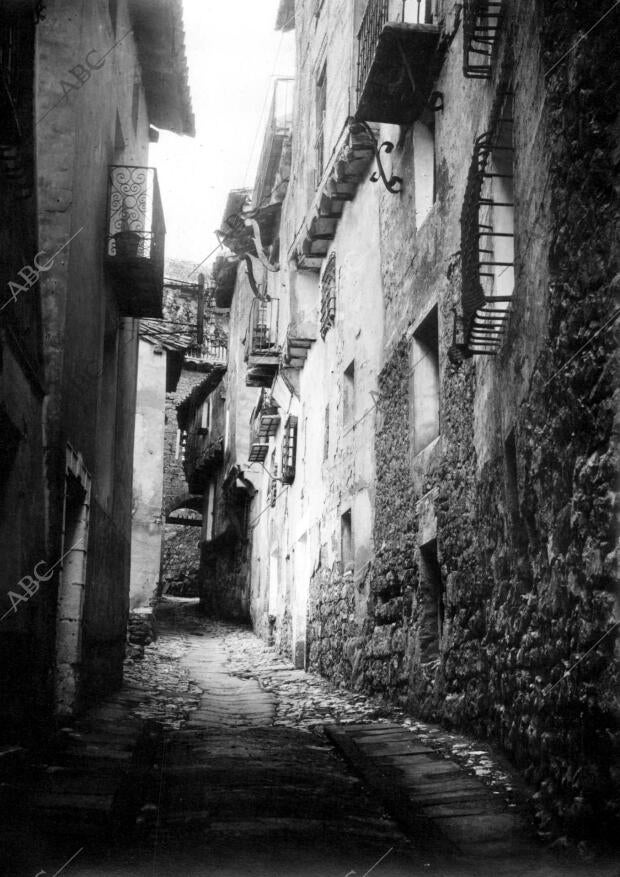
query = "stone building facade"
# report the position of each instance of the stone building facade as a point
(433, 447)
(95, 92)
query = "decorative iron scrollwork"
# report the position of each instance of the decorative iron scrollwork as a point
(136, 227)
(393, 181)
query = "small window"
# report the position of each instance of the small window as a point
(346, 541)
(516, 524)
(349, 394)
(119, 138)
(425, 382)
(417, 11)
(423, 169)
(205, 415)
(210, 515)
(431, 598)
(289, 450)
(113, 12)
(226, 431)
(135, 105)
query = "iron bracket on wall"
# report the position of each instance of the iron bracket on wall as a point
(393, 182)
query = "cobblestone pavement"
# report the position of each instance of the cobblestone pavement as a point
(212, 760)
(307, 701)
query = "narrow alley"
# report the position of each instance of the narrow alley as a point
(309, 438)
(217, 757)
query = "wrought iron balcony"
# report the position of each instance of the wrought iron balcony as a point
(135, 240)
(487, 234)
(203, 454)
(212, 352)
(395, 64)
(262, 351)
(481, 21)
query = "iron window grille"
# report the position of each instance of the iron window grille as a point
(289, 450)
(487, 233)
(481, 22)
(328, 296)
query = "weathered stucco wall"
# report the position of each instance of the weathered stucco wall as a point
(90, 351)
(148, 465)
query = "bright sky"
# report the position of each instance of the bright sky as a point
(234, 53)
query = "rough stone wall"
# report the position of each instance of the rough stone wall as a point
(180, 551)
(180, 560)
(225, 581)
(524, 536)
(175, 485)
(335, 647)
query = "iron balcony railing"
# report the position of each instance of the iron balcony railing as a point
(375, 17)
(487, 233)
(481, 22)
(262, 341)
(397, 46)
(136, 227)
(212, 351)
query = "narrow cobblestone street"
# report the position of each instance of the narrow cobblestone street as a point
(213, 759)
